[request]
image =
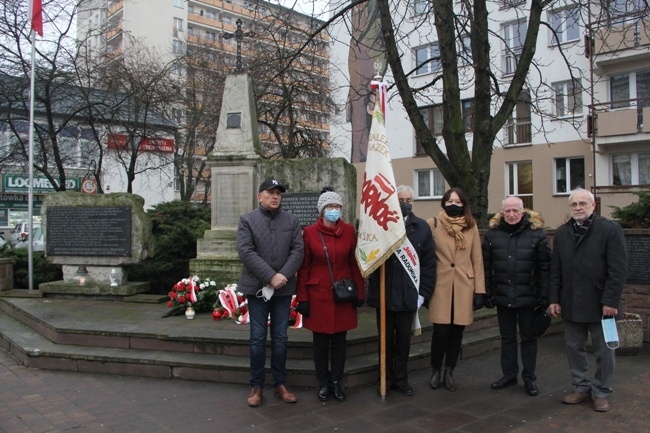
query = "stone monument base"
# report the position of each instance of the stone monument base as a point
(92, 290)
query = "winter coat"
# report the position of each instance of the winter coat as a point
(268, 243)
(588, 273)
(460, 276)
(517, 263)
(401, 295)
(314, 281)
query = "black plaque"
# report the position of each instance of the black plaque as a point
(233, 121)
(638, 258)
(304, 205)
(88, 231)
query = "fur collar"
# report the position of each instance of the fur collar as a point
(535, 219)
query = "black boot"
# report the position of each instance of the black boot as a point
(337, 390)
(323, 392)
(449, 379)
(434, 382)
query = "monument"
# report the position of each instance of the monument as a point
(95, 238)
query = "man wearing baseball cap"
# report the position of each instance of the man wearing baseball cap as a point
(270, 246)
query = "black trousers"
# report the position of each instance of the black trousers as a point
(509, 318)
(329, 348)
(398, 346)
(446, 343)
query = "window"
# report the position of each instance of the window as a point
(433, 118)
(519, 181)
(568, 98)
(631, 169)
(429, 183)
(420, 6)
(178, 3)
(619, 90)
(569, 174)
(513, 37)
(178, 26)
(177, 69)
(565, 24)
(468, 114)
(518, 128)
(465, 50)
(427, 59)
(177, 46)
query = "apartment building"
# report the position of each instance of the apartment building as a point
(581, 125)
(227, 36)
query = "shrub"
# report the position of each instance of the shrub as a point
(634, 215)
(44, 271)
(176, 227)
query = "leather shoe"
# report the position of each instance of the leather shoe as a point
(337, 390)
(284, 394)
(323, 392)
(531, 388)
(406, 390)
(504, 382)
(434, 382)
(576, 397)
(601, 404)
(255, 397)
(450, 384)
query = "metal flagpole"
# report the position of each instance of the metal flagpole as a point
(30, 196)
(382, 331)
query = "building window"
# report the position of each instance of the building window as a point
(178, 3)
(177, 46)
(619, 89)
(569, 174)
(518, 128)
(465, 50)
(565, 24)
(178, 26)
(468, 114)
(429, 183)
(427, 59)
(631, 169)
(519, 181)
(568, 98)
(433, 118)
(513, 37)
(420, 6)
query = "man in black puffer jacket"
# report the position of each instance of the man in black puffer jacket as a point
(517, 263)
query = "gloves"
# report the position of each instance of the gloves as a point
(358, 303)
(420, 301)
(479, 301)
(489, 302)
(303, 308)
(543, 302)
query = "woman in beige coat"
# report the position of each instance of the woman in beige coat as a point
(460, 286)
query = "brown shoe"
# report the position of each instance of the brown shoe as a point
(284, 394)
(576, 397)
(601, 404)
(255, 397)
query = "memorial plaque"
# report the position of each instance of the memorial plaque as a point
(638, 257)
(88, 231)
(304, 205)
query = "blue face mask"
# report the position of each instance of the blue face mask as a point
(332, 215)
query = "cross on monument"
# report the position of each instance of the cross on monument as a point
(239, 37)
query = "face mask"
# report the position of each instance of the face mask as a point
(453, 210)
(332, 215)
(406, 209)
(266, 293)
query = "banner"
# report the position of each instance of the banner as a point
(381, 226)
(36, 12)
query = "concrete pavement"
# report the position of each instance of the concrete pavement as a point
(33, 400)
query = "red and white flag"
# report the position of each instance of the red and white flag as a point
(36, 15)
(381, 226)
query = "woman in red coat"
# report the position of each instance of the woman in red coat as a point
(328, 320)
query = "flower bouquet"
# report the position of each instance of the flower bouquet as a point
(191, 292)
(231, 304)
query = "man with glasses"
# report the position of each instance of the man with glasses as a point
(588, 272)
(270, 246)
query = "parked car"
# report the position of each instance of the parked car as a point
(38, 242)
(3, 243)
(20, 232)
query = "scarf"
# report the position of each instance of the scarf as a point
(454, 227)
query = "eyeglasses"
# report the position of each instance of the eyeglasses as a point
(582, 204)
(333, 207)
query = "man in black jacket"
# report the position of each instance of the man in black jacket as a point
(588, 274)
(403, 297)
(517, 262)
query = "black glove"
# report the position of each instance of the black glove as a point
(543, 302)
(479, 301)
(489, 302)
(303, 308)
(358, 303)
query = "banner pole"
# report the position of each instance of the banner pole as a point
(382, 331)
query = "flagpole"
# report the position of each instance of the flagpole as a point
(30, 194)
(382, 331)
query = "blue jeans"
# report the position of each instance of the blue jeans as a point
(258, 312)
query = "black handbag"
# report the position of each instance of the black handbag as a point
(343, 290)
(541, 322)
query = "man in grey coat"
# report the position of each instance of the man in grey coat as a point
(270, 246)
(588, 272)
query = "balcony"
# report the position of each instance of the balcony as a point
(621, 39)
(518, 133)
(114, 8)
(622, 122)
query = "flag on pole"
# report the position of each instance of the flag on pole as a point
(381, 226)
(36, 13)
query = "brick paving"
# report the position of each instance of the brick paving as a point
(45, 401)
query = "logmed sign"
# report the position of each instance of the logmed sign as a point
(20, 183)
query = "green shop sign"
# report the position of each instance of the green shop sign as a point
(20, 183)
